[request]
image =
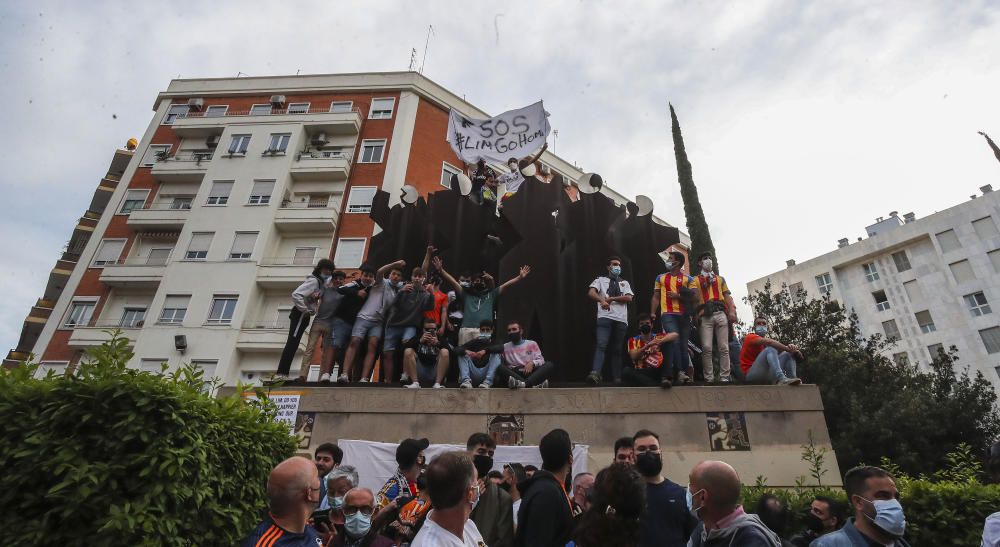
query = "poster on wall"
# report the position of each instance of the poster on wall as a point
(727, 431)
(287, 403)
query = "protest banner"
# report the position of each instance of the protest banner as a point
(287, 403)
(513, 134)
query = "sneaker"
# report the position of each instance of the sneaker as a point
(414, 385)
(725, 381)
(542, 385)
(594, 378)
(514, 383)
(684, 379)
(364, 381)
(342, 379)
(325, 378)
(439, 386)
(709, 379)
(404, 378)
(485, 385)
(666, 383)
(790, 382)
(466, 384)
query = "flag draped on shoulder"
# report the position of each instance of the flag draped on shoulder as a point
(513, 134)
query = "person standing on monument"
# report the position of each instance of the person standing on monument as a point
(612, 294)
(368, 327)
(478, 300)
(306, 301)
(667, 522)
(354, 294)
(715, 312)
(671, 292)
(404, 319)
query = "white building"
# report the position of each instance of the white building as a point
(930, 282)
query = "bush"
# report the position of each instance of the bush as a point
(116, 456)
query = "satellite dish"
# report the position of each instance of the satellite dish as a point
(590, 183)
(529, 170)
(462, 183)
(410, 194)
(645, 205)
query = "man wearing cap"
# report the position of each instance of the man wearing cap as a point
(403, 483)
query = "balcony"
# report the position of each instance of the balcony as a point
(282, 273)
(182, 167)
(318, 118)
(309, 217)
(98, 332)
(264, 335)
(321, 166)
(145, 272)
(158, 217)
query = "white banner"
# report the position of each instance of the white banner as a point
(288, 406)
(376, 462)
(513, 134)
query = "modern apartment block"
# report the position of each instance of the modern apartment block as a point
(930, 283)
(237, 187)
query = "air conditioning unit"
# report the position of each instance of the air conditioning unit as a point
(180, 342)
(196, 104)
(278, 101)
(212, 141)
(319, 140)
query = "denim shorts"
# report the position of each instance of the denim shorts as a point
(340, 333)
(364, 329)
(394, 335)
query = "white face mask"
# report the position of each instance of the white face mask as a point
(706, 264)
(476, 501)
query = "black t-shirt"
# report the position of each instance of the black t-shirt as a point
(667, 522)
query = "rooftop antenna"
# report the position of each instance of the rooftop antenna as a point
(413, 59)
(430, 30)
(555, 137)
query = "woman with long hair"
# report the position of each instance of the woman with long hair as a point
(618, 501)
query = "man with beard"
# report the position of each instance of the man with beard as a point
(667, 522)
(825, 515)
(493, 514)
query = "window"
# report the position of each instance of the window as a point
(219, 194)
(80, 312)
(174, 309)
(153, 152)
(371, 151)
(948, 241)
(381, 109)
(304, 256)
(260, 110)
(962, 270)
(900, 358)
(181, 202)
(134, 199)
(794, 290)
(913, 291)
(934, 350)
(58, 368)
(902, 262)
(977, 304)
(243, 245)
(298, 108)
(360, 199)
(158, 257)
(871, 272)
(824, 283)
(341, 106)
(318, 201)
(985, 228)
(991, 339)
(446, 173)
(350, 252)
(279, 143)
(995, 259)
(216, 110)
(176, 111)
(109, 252)
(221, 312)
(261, 192)
(132, 318)
(198, 248)
(239, 144)
(925, 321)
(881, 301)
(891, 330)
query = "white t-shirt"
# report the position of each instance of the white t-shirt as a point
(432, 535)
(517, 505)
(619, 310)
(380, 296)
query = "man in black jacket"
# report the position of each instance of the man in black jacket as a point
(493, 514)
(545, 518)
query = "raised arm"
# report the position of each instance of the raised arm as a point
(385, 269)
(525, 270)
(439, 265)
(541, 151)
(426, 265)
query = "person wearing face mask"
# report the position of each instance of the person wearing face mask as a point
(667, 522)
(545, 518)
(774, 514)
(673, 297)
(761, 361)
(647, 357)
(523, 363)
(478, 301)
(476, 366)
(354, 295)
(612, 294)
(405, 316)
(513, 179)
(357, 531)
(368, 327)
(493, 513)
(322, 328)
(716, 310)
(292, 496)
(713, 495)
(878, 515)
(306, 300)
(338, 482)
(825, 515)
(454, 492)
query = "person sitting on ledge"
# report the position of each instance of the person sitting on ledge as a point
(647, 358)
(475, 364)
(761, 362)
(426, 358)
(523, 364)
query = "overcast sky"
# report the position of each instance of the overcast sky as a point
(803, 120)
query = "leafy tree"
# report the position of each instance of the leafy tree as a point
(701, 238)
(875, 407)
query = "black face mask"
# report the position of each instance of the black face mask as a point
(483, 464)
(813, 523)
(514, 337)
(479, 287)
(645, 329)
(649, 464)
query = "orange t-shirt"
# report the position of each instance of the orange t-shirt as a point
(440, 301)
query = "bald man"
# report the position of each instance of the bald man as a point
(292, 495)
(714, 491)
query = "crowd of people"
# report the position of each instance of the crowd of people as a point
(438, 325)
(458, 499)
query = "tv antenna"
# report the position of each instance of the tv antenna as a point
(430, 31)
(413, 59)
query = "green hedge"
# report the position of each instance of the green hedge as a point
(116, 456)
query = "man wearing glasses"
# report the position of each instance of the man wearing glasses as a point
(292, 495)
(359, 506)
(668, 522)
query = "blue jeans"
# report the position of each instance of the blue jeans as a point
(609, 333)
(396, 334)
(676, 352)
(366, 328)
(770, 367)
(467, 370)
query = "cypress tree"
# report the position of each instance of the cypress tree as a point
(701, 238)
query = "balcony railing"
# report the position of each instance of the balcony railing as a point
(196, 156)
(138, 261)
(266, 324)
(273, 112)
(286, 261)
(330, 204)
(111, 324)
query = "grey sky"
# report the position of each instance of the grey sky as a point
(804, 120)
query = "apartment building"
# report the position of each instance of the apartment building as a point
(929, 283)
(237, 187)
